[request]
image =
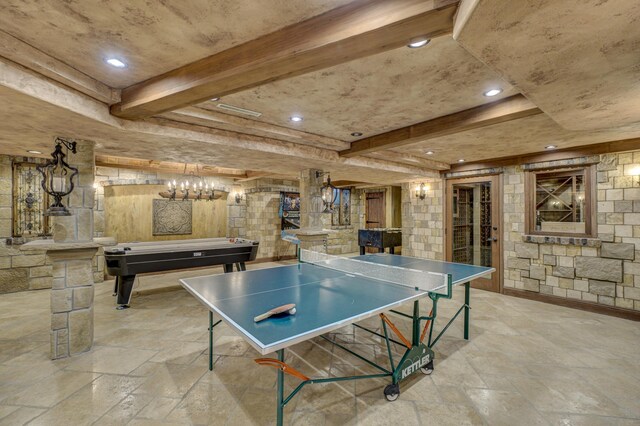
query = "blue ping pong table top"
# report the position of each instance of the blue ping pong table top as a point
(325, 299)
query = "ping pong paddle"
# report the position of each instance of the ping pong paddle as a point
(290, 308)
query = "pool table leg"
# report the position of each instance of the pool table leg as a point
(125, 289)
(228, 267)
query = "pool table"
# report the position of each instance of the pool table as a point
(127, 260)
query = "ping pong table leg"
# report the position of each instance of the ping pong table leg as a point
(211, 327)
(467, 290)
(280, 408)
(210, 341)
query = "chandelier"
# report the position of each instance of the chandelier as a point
(193, 187)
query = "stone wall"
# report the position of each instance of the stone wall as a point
(605, 270)
(256, 217)
(5, 196)
(344, 238)
(18, 271)
(260, 205)
(423, 220)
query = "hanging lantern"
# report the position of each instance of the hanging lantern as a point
(329, 193)
(57, 177)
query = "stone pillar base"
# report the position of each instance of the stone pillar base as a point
(313, 241)
(72, 302)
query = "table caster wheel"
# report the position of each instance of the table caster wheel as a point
(427, 368)
(392, 392)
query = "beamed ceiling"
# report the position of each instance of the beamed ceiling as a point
(568, 73)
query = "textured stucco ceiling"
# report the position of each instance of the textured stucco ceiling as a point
(29, 123)
(376, 94)
(371, 95)
(577, 60)
(524, 136)
(151, 36)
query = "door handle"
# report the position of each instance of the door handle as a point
(494, 239)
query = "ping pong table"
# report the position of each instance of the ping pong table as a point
(331, 292)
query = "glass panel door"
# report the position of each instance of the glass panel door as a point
(472, 231)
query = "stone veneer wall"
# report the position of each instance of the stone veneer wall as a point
(19, 271)
(605, 270)
(256, 217)
(423, 220)
(344, 238)
(260, 206)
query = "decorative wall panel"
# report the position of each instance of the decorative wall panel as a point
(29, 202)
(172, 217)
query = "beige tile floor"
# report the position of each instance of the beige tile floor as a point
(526, 363)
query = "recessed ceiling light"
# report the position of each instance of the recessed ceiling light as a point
(461, 160)
(33, 151)
(492, 92)
(550, 147)
(296, 118)
(356, 134)
(429, 152)
(215, 99)
(115, 62)
(418, 42)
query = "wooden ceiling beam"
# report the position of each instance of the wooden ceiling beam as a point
(401, 157)
(167, 167)
(217, 120)
(507, 109)
(359, 29)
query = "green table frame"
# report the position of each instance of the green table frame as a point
(417, 356)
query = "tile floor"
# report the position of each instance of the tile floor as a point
(527, 363)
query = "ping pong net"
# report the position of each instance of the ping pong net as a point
(422, 280)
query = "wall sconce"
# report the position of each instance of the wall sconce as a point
(329, 193)
(635, 176)
(57, 177)
(421, 191)
(239, 195)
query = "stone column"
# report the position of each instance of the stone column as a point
(311, 235)
(79, 226)
(72, 301)
(72, 251)
(311, 200)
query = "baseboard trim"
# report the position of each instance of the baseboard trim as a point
(574, 304)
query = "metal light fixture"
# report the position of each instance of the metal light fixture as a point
(200, 190)
(421, 191)
(329, 193)
(57, 177)
(238, 196)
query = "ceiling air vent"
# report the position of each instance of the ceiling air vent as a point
(239, 110)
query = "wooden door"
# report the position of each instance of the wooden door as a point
(473, 230)
(375, 213)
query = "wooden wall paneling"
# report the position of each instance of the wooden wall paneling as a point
(128, 215)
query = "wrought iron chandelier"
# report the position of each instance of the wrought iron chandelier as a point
(57, 177)
(194, 187)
